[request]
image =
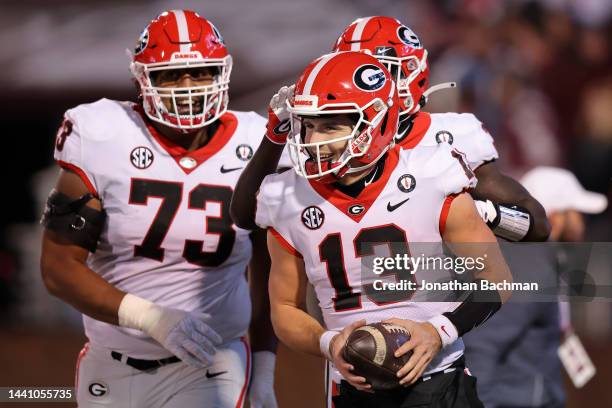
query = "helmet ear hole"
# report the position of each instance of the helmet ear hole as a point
(331, 97)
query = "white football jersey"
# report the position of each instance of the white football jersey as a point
(335, 234)
(463, 131)
(168, 236)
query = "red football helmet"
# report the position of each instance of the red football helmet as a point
(345, 82)
(398, 48)
(180, 39)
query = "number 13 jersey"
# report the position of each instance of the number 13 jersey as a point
(334, 233)
(168, 236)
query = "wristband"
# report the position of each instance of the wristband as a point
(478, 306)
(278, 134)
(325, 342)
(513, 222)
(446, 329)
(138, 313)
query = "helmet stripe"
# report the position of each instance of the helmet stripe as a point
(355, 46)
(183, 30)
(315, 71)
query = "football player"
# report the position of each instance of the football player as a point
(139, 238)
(352, 193)
(507, 208)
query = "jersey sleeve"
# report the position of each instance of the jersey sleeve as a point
(69, 149)
(262, 212)
(455, 174)
(475, 141)
(285, 160)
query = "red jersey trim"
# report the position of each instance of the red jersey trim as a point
(444, 212)
(227, 126)
(283, 242)
(421, 124)
(366, 198)
(79, 172)
(82, 354)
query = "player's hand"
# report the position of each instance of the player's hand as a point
(261, 394)
(336, 348)
(424, 342)
(185, 335)
(278, 126)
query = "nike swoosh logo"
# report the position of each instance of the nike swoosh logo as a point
(393, 207)
(213, 375)
(224, 170)
(444, 330)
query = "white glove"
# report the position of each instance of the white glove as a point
(278, 126)
(487, 210)
(261, 393)
(182, 333)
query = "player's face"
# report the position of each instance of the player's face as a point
(183, 78)
(327, 128)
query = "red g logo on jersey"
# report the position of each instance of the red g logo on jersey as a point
(313, 217)
(141, 157)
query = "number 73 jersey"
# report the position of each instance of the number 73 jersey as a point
(168, 236)
(333, 233)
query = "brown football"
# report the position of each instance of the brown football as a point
(370, 349)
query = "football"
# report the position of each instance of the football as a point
(370, 349)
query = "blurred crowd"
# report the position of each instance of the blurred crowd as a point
(538, 74)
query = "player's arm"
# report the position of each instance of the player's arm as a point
(264, 161)
(70, 214)
(64, 269)
(296, 328)
(261, 334)
(467, 236)
(292, 324)
(508, 206)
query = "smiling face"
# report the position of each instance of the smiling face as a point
(327, 131)
(171, 79)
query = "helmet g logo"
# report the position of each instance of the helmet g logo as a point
(408, 37)
(369, 77)
(143, 40)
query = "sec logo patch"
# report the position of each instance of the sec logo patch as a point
(313, 217)
(141, 157)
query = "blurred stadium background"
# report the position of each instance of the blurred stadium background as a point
(537, 73)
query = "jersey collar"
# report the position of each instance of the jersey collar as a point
(421, 124)
(366, 198)
(227, 126)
